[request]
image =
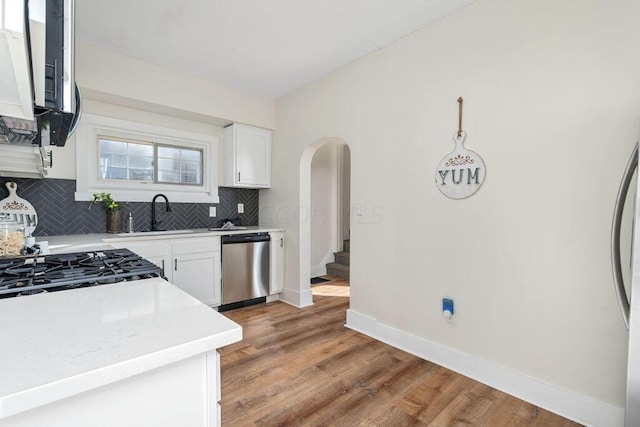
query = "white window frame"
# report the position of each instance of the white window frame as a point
(87, 162)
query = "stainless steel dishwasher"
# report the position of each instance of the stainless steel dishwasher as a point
(245, 269)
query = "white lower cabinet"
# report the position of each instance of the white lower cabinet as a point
(183, 393)
(156, 251)
(194, 274)
(214, 388)
(277, 262)
(192, 264)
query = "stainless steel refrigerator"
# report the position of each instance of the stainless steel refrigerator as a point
(626, 273)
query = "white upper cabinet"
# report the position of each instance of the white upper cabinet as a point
(247, 157)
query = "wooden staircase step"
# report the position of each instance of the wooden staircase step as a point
(342, 257)
(338, 270)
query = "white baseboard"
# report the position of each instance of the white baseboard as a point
(297, 299)
(272, 298)
(577, 407)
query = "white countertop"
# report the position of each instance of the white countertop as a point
(93, 242)
(60, 344)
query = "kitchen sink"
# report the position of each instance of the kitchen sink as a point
(228, 228)
(163, 232)
(170, 232)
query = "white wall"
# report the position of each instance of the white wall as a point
(120, 86)
(324, 207)
(552, 104)
(101, 71)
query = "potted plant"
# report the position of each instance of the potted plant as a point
(114, 214)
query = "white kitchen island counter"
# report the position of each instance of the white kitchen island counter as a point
(143, 348)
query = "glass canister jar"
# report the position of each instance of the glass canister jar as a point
(11, 238)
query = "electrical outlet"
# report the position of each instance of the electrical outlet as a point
(212, 211)
(358, 208)
(240, 208)
(447, 308)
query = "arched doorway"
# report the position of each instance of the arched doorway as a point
(306, 214)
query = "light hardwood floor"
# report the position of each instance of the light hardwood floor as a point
(302, 367)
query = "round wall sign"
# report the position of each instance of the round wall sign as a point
(461, 172)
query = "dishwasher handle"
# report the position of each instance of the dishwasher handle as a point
(246, 238)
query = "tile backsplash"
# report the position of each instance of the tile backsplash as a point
(59, 214)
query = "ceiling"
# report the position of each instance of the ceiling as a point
(267, 47)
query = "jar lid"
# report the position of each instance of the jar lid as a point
(13, 224)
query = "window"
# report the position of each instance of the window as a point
(134, 161)
(126, 160)
(149, 162)
(178, 165)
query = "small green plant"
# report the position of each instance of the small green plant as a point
(108, 203)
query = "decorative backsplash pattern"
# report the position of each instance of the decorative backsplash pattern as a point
(60, 214)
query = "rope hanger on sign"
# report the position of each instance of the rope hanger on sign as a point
(460, 100)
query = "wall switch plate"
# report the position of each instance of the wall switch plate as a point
(212, 211)
(240, 208)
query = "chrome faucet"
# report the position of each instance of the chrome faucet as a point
(154, 223)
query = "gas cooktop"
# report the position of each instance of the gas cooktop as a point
(27, 276)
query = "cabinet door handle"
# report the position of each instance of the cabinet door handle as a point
(163, 267)
(175, 264)
(282, 242)
(238, 176)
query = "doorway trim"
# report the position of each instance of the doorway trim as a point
(306, 298)
(340, 207)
